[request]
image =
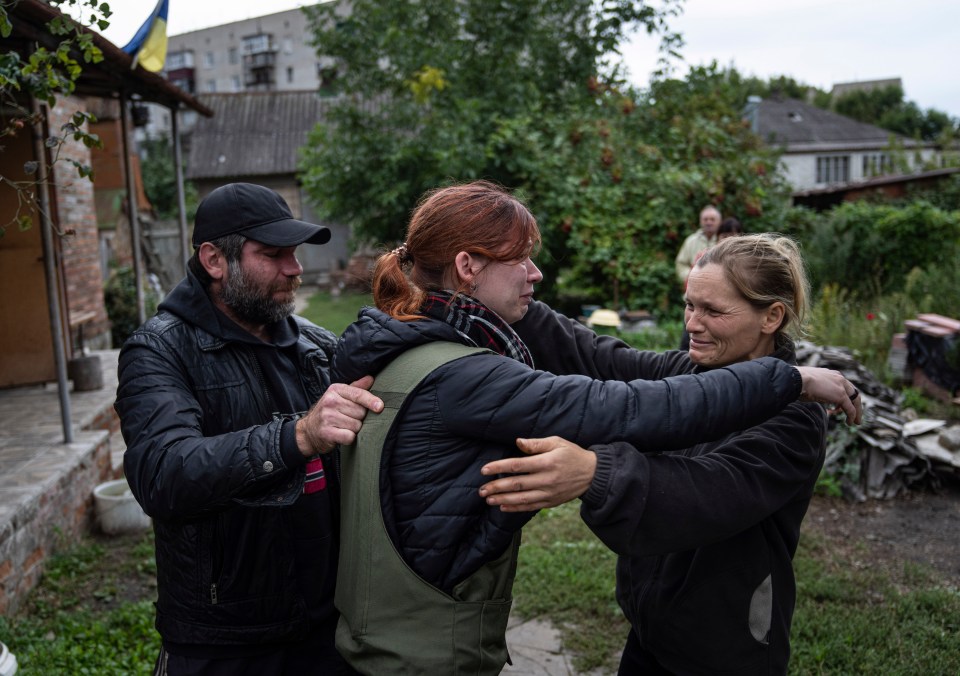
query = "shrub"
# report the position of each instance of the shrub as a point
(870, 249)
(120, 298)
(945, 194)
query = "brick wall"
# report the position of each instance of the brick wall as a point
(51, 520)
(77, 216)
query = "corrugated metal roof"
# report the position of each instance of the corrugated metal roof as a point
(799, 126)
(253, 133)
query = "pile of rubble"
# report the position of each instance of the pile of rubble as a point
(893, 450)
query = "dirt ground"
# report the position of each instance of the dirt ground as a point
(918, 527)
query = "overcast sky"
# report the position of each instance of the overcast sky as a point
(820, 42)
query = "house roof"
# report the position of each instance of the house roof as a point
(800, 127)
(253, 133)
(105, 79)
(832, 195)
(878, 182)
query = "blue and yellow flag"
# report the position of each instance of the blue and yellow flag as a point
(149, 45)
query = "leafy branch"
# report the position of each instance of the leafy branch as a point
(46, 72)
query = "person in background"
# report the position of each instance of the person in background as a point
(232, 426)
(460, 280)
(729, 227)
(698, 241)
(706, 535)
(694, 246)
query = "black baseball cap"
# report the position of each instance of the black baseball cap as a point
(255, 212)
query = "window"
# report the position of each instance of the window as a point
(235, 80)
(177, 60)
(327, 74)
(260, 76)
(287, 46)
(185, 83)
(208, 59)
(833, 169)
(255, 44)
(211, 85)
(232, 56)
(289, 74)
(876, 164)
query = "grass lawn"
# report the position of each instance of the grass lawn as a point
(93, 611)
(335, 313)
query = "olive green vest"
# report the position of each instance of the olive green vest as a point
(392, 621)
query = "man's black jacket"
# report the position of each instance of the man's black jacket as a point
(215, 464)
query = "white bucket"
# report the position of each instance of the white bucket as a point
(117, 510)
(8, 661)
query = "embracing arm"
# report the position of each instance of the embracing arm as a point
(564, 346)
(647, 505)
(497, 398)
(176, 472)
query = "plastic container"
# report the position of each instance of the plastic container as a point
(603, 317)
(8, 661)
(117, 510)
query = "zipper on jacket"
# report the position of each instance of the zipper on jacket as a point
(271, 404)
(642, 597)
(217, 557)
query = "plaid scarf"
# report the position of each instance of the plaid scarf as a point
(476, 323)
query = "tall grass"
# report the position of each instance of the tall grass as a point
(866, 323)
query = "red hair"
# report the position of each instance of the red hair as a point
(480, 218)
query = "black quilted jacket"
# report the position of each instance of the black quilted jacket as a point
(471, 411)
(206, 459)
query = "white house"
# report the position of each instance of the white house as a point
(821, 148)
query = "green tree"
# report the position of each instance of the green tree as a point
(778, 86)
(619, 187)
(528, 94)
(46, 74)
(160, 179)
(886, 107)
(870, 249)
(431, 84)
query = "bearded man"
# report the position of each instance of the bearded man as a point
(232, 429)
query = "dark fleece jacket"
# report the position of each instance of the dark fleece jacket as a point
(706, 535)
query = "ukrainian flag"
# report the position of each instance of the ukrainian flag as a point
(149, 45)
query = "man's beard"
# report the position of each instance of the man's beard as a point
(252, 303)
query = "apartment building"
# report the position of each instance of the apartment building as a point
(264, 53)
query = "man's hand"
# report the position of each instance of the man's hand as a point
(337, 417)
(557, 471)
(830, 387)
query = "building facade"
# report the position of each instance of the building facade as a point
(264, 53)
